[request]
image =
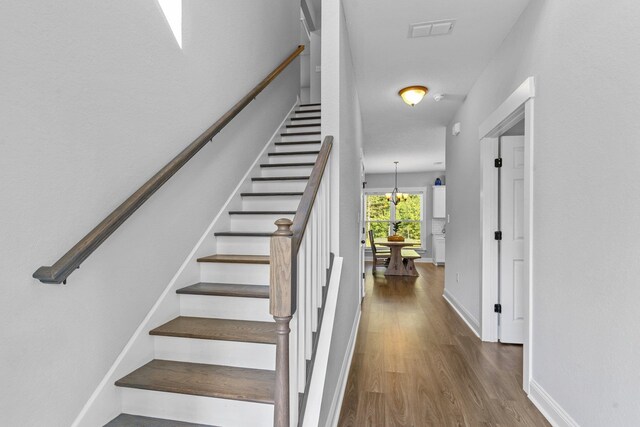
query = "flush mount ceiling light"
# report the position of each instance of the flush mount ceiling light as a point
(413, 94)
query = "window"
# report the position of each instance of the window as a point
(381, 213)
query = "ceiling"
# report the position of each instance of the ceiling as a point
(386, 60)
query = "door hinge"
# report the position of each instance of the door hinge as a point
(364, 184)
(497, 308)
(498, 235)
(363, 275)
(497, 162)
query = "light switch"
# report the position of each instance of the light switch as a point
(421, 30)
(440, 29)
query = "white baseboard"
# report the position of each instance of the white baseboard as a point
(105, 401)
(553, 412)
(468, 318)
(336, 403)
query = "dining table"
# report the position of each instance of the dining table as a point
(396, 266)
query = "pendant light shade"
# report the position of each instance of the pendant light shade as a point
(413, 94)
(395, 196)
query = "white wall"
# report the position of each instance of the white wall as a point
(96, 97)
(315, 76)
(341, 118)
(305, 66)
(417, 179)
(586, 332)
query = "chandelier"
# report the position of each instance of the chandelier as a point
(395, 196)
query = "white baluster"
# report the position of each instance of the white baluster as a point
(321, 202)
(325, 235)
(293, 367)
(314, 268)
(302, 316)
(318, 272)
(308, 344)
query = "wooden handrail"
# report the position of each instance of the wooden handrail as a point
(285, 242)
(309, 196)
(283, 286)
(58, 272)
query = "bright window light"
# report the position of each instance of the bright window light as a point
(172, 10)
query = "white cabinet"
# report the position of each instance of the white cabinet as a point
(439, 201)
(438, 249)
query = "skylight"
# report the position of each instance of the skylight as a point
(172, 10)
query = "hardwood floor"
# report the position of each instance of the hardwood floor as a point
(416, 363)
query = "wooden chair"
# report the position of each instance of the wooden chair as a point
(380, 256)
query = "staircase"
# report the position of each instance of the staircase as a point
(215, 363)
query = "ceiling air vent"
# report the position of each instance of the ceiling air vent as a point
(433, 28)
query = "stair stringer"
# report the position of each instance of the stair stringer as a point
(105, 403)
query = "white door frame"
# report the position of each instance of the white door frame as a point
(517, 106)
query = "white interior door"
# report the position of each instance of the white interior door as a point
(511, 328)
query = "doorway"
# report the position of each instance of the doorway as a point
(506, 309)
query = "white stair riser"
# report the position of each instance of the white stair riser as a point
(308, 107)
(298, 147)
(271, 186)
(227, 353)
(233, 245)
(287, 171)
(243, 274)
(309, 121)
(196, 409)
(298, 158)
(264, 223)
(307, 113)
(271, 203)
(291, 136)
(222, 307)
(306, 128)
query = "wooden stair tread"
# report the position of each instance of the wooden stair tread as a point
(298, 142)
(272, 194)
(313, 132)
(225, 382)
(206, 328)
(127, 420)
(280, 178)
(307, 111)
(236, 259)
(294, 153)
(244, 233)
(285, 165)
(309, 105)
(308, 125)
(226, 290)
(306, 118)
(262, 212)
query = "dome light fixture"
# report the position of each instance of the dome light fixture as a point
(412, 95)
